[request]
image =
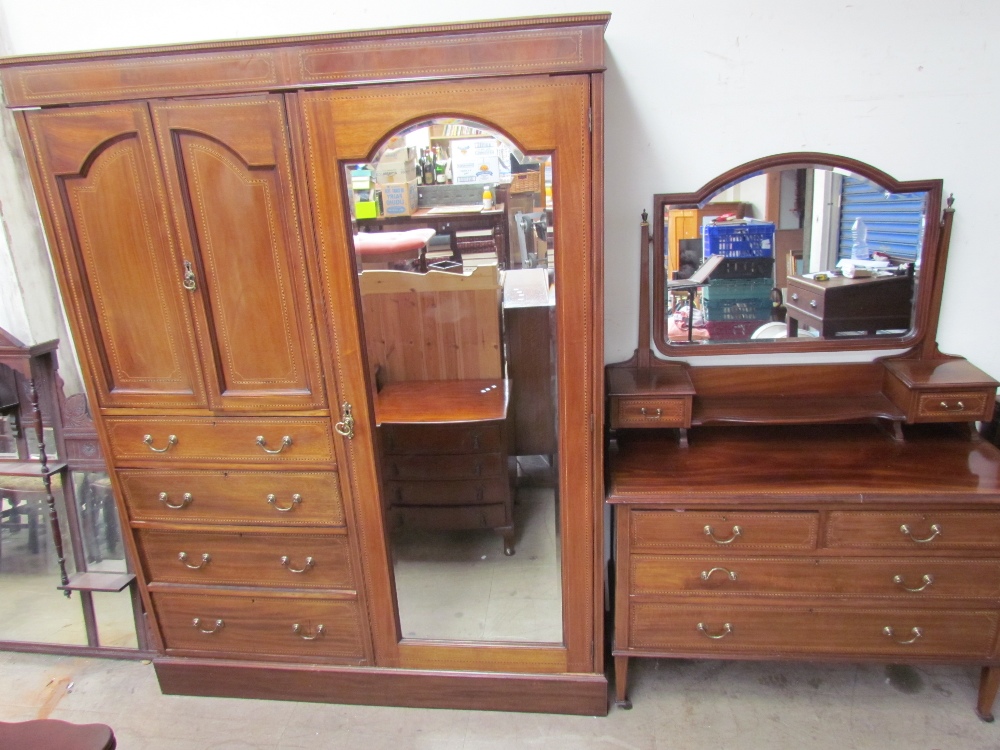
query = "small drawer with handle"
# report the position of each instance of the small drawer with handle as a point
(667, 530)
(950, 406)
(650, 412)
(157, 440)
(915, 532)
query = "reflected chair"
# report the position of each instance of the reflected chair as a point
(53, 734)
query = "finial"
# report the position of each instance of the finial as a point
(951, 200)
(645, 217)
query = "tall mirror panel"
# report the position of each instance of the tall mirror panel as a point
(454, 245)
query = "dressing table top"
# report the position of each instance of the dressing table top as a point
(858, 463)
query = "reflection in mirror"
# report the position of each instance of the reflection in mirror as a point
(453, 239)
(795, 253)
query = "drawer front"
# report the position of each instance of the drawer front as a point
(435, 439)
(155, 440)
(650, 412)
(288, 498)
(748, 628)
(949, 406)
(804, 299)
(455, 466)
(246, 559)
(457, 518)
(448, 493)
(915, 532)
(905, 578)
(723, 532)
(261, 625)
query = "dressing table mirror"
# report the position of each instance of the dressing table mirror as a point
(806, 509)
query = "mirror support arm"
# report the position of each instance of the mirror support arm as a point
(643, 344)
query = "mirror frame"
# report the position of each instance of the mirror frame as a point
(928, 287)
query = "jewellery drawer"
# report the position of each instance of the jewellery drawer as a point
(650, 412)
(234, 497)
(246, 558)
(745, 628)
(906, 578)
(144, 440)
(948, 406)
(435, 439)
(456, 466)
(250, 626)
(453, 518)
(460, 492)
(673, 530)
(916, 532)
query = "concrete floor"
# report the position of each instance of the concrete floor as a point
(686, 705)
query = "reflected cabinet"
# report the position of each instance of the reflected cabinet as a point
(295, 270)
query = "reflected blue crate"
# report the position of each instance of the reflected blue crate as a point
(746, 238)
(737, 309)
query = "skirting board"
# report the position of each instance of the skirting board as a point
(581, 694)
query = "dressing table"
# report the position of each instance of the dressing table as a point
(820, 511)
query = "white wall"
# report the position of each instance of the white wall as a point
(910, 86)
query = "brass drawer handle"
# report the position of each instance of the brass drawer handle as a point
(297, 629)
(205, 560)
(795, 296)
(927, 581)
(659, 413)
(186, 500)
(726, 630)
(737, 532)
(935, 532)
(888, 632)
(707, 574)
(308, 565)
(272, 500)
(812, 303)
(285, 442)
(171, 442)
(219, 625)
(959, 406)
(345, 426)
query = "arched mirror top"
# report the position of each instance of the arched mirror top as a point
(797, 252)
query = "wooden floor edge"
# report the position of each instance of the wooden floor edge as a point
(579, 694)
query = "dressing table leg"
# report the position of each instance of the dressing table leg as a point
(621, 682)
(684, 437)
(989, 681)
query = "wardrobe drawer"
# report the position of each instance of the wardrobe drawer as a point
(673, 530)
(916, 532)
(155, 440)
(461, 492)
(246, 559)
(746, 628)
(288, 498)
(251, 626)
(455, 466)
(650, 412)
(906, 578)
(426, 439)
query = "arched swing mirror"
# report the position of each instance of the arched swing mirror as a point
(795, 252)
(454, 238)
